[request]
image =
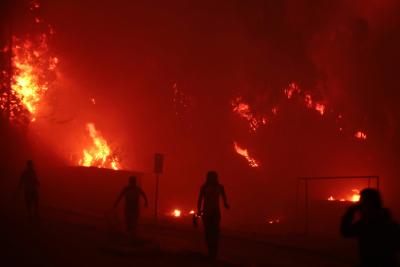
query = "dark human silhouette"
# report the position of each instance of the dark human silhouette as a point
(208, 207)
(377, 234)
(30, 184)
(132, 194)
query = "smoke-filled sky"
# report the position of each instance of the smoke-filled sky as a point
(128, 55)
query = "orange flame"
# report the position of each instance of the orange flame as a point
(176, 213)
(27, 81)
(99, 155)
(244, 153)
(32, 69)
(360, 135)
(274, 221)
(355, 197)
(320, 108)
(291, 89)
(243, 110)
(308, 99)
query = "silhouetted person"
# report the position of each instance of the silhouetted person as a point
(132, 194)
(377, 234)
(208, 207)
(30, 184)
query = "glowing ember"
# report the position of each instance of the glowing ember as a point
(176, 213)
(274, 221)
(291, 89)
(314, 105)
(308, 99)
(320, 108)
(180, 100)
(32, 69)
(361, 135)
(244, 153)
(243, 110)
(99, 154)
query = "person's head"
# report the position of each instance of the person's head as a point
(212, 178)
(29, 164)
(132, 180)
(370, 201)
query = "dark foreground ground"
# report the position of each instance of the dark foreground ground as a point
(69, 239)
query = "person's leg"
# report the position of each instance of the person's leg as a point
(214, 235)
(128, 220)
(207, 233)
(29, 205)
(35, 206)
(132, 232)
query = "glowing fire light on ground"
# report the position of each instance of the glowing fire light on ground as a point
(274, 221)
(32, 70)
(360, 135)
(99, 154)
(355, 197)
(177, 213)
(245, 153)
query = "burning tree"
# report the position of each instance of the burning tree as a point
(32, 70)
(99, 153)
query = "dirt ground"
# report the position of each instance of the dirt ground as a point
(63, 239)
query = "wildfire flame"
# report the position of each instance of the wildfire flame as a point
(307, 98)
(176, 213)
(291, 89)
(243, 110)
(244, 153)
(355, 197)
(317, 106)
(99, 154)
(32, 70)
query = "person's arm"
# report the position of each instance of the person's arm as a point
(119, 197)
(143, 194)
(347, 227)
(224, 198)
(200, 201)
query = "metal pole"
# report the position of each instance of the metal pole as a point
(297, 200)
(306, 204)
(377, 182)
(156, 196)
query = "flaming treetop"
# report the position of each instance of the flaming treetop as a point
(32, 71)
